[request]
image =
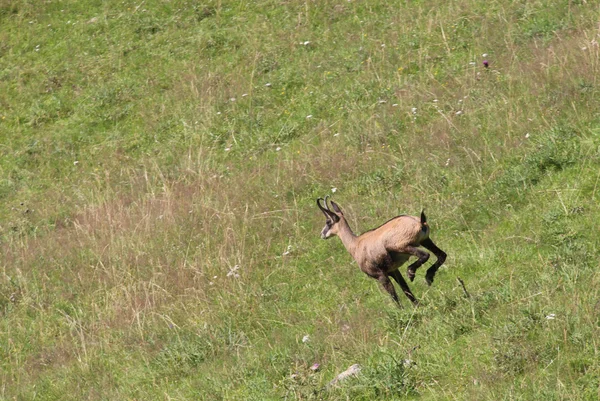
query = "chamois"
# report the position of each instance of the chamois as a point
(382, 250)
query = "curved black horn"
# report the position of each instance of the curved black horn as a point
(326, 212)
(326, 205)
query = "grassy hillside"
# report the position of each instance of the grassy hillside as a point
(159, 162)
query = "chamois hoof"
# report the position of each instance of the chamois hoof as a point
(411, 275)
(429, 279)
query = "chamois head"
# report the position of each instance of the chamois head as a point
(333, 218)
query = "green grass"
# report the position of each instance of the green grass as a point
(147, 148)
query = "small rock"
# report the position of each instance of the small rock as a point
(353, 370)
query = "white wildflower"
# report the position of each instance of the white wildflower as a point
(484, 55)
(309, 116)
(277, 149)
(527, 135)
(333, 190)
(395, 105)
(414, 110)
(551, 316)
(268, 84)
(459, 113)
(233, 272)
(306, 339)
(287, 252)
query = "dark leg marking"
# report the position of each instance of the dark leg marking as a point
(396, 275)
(389, 287)
(439, 254)
(422, 258)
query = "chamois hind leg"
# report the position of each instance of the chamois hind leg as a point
(400, 280)
(422, 258)
(439, 254)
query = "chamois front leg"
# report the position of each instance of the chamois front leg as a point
(382, 272)
(386, 283)
(404, 285)
(377, 268)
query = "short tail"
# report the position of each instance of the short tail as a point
(423, 218)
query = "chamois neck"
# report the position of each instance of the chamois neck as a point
(347, 236)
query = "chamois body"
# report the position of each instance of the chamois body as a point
(389, 239)
(381, 251)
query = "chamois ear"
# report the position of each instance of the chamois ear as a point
(336, 208)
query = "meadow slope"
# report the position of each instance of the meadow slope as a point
(159, 163)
